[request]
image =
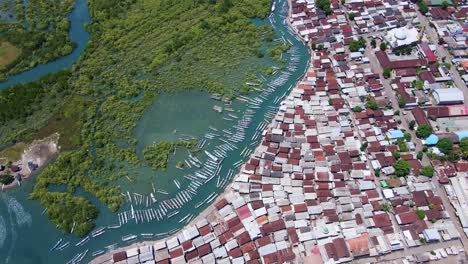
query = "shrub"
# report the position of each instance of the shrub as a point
(385, 207)
(401, 103)
(372, 105)
(427, 171)
(357, 109)
(420, 213)
(383, 46)
(420, 155)
(6, 179)
(387, 73)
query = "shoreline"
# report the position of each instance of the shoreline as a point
(51, 142)
(105, 258)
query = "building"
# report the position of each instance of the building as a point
(403, 36)
(448, 96)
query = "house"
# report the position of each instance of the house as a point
(448, 96)
(401, 37)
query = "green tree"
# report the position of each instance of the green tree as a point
(396, 155)
(445, 145)
(423, 7)
(373, 43)
(420, 155)
(427, 171)
(402, 145)
(444, 5)
(385, 207)
(420, 214)
(355, 45)
(387, 73)
(357, 109)
(364, 146)
(402, 168)
(411, 124)
(418, 84)
(408, 136)
(351, 16)
(424, 131)
(464, 145)
(401, 102)
(324, 5)
(6, 179)
(383, 46)
(372, 105)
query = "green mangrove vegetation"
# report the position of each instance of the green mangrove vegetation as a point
(26, 108)
(40, 35)
(137, 49)
(156, 155)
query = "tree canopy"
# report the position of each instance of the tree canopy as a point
(372, 105)
(402, 168)
(427, 171)
(424, 131)
(6, 179)
(445, 145)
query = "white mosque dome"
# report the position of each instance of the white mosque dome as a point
(400, 34)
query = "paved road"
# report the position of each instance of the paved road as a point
(442, 52)
(377, 68)
(397, 255)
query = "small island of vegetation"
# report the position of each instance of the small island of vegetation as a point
(132, 56)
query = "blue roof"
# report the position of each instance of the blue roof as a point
(432, 140)
(396, 133)
(462, 134)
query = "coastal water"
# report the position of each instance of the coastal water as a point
(79, 16)
(26, 235)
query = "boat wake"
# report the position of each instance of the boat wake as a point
(22, 217)
(3, 231)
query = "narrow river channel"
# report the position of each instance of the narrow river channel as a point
(79, 17)
(26, 236)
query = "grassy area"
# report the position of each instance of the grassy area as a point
(8, 54)
(13, 153)
(172, 46)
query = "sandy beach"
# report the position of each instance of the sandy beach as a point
(40, 152)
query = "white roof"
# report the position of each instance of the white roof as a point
(402, 36)
(448, 95)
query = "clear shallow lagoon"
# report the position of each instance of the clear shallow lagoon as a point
(26, 236)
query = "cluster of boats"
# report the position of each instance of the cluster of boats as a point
(212, 166)
(78, 257)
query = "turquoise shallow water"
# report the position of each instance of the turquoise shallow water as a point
(26, 236)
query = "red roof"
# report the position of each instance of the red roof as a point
(386, 63)
(244, 212)
(119, 256)
(341, 248)
(428, 53)
(382, 220)
(408, 217)
(420, 116)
